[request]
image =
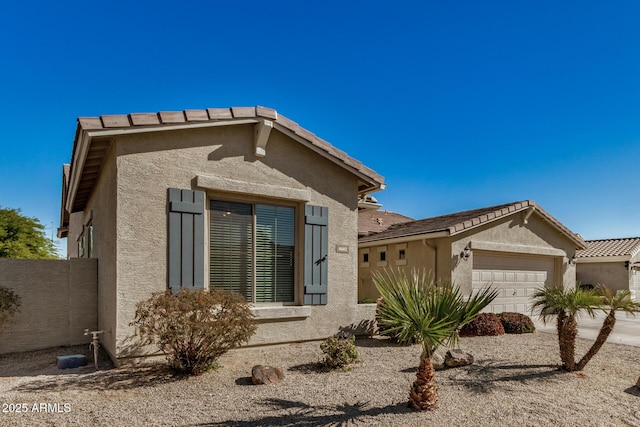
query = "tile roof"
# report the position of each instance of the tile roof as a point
(375, 221)
(113, 124)
(459, 222)
(610, 247)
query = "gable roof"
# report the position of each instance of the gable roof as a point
(93, 140)
(375, 221)
(610, 248)
(456, 223)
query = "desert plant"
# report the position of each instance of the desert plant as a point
(612, 303)
(382, 329)
(416, 306)
(566, 304)
(10, 303)
(484, 324)
(516, 323)
(194, 328)
(339, 353)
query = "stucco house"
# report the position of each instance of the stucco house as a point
(515, 247)
(614, 263)
(240, 198)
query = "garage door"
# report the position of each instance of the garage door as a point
(515, 277)
(635, 284)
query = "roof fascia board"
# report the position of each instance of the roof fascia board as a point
(78, 165)
(373, 186)
(162, 128)
(394, 240)
(489, 221)
(599, 259)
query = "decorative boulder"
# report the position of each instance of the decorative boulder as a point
(455, 358)
(266, 374)
(438, 361)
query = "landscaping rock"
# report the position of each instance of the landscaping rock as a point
(638, 384)
(266, 374)
(455, 358)
(438, 361)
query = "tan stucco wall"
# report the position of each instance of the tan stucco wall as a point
(537, 236)
(59, 301)
(614, 275)
(134, 183)
(432, 255)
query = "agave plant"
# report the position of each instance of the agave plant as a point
(566, 304)
(620, 301)
(416, 307)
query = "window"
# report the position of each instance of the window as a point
(401, 254)
(365, 257)
(252, 250)
(383, 256)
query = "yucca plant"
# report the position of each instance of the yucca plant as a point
(612, 303)
(566, 304)
(416, 307)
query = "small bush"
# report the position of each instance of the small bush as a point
(484, 324)
(339, 353)
(10, 303)
(516, 323)
(194, 328)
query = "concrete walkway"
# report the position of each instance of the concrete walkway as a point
(626, 331)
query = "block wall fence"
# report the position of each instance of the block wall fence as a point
(59, 301)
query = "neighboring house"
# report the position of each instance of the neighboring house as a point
(614, 263)
(375, 221)
(515, 248)
(238, 198)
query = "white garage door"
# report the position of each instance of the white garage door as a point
(635, 284)
(515, 277)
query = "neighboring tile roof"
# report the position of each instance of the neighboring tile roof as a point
(98, 148)
(461, 221)
(375, 221)
(610, 247)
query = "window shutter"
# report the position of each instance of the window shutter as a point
(186, 239)
(315, 254)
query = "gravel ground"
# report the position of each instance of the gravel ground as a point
(514, 381)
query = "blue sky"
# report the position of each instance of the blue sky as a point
(459, 105)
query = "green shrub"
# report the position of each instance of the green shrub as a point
(484, 324)
(516, 323)
(10, 303)
(194, 328)
(381, 327)
(339, 353)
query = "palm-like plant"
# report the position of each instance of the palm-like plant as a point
(620, 301)
(566, 304)
(415, 307)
